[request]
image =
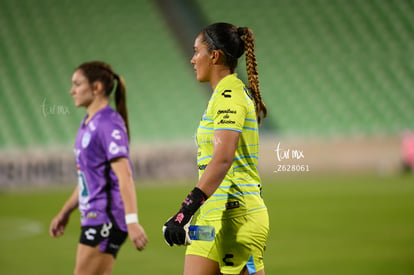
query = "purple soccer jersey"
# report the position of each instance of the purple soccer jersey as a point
(103, 139)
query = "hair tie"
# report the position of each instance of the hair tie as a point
(240, 31)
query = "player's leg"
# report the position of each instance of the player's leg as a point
(89, 261)
(201, 256)
(97, 249)
(197, 265)
(243, 243)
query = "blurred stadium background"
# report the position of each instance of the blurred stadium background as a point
(337, 77)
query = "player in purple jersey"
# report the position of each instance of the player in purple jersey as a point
(105, 194)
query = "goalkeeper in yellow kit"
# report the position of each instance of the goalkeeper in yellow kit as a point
(228, 194)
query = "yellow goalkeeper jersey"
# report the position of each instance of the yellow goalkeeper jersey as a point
(231, 108)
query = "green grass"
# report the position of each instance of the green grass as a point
(319, 225)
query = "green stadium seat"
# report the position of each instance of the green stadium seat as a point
(326, 67)
(331, 67)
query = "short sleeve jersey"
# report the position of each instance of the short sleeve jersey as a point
(101, 140)
(231, 108)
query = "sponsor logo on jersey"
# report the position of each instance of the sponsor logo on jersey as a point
(228, 111)
(77, 154)
(227, 122)
(86, 138)
(92, 215)
(232, 204)
(92, 126)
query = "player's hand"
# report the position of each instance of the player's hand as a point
(176, 230)
(137, 235)
(58, 225)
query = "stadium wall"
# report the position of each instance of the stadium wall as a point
(285, 156)
(38, 167)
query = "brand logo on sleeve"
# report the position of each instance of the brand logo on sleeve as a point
(226, 93)
(115, 148)
(116, 134)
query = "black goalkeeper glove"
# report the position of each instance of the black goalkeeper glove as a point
(176, 228)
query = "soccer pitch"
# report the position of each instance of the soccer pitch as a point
(319, 225)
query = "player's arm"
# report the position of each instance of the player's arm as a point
(122, 170)
(225, 145)
(59, 222)
(176, 228)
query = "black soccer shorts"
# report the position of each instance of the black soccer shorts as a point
(108, 237)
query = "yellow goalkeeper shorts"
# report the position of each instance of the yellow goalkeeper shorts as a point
(239, 242)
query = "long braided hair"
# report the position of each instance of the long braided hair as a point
(233, 42)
